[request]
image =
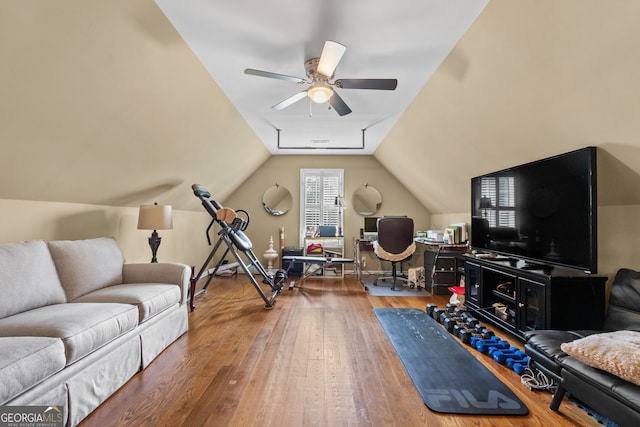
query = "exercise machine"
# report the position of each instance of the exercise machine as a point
(232, 235)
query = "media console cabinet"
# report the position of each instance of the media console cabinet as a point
(519, 297)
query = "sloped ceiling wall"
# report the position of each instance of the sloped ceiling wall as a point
(102, 103)
(530, 79)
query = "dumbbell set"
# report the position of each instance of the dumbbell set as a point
(462, 324)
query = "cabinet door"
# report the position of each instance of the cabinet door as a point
(473, 284)
(531, 305)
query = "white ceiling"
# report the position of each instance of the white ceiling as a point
(403, 39)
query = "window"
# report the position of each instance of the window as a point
(319, 189)
(501, 191)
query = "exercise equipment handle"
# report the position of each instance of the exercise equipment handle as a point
(200, 191)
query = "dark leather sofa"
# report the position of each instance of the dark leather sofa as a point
(605, 393)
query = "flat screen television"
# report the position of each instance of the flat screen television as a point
(543, 212)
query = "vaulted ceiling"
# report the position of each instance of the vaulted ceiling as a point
(104, 102)
(406, 41)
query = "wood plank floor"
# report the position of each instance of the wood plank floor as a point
(318, 358)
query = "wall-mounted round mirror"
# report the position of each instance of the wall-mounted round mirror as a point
(366, 200)
(276, 200)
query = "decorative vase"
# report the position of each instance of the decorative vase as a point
(270, 254)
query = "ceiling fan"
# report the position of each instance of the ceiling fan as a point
(319, 72)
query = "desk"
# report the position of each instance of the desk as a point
(363, 256)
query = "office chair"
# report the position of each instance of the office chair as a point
(395, 243)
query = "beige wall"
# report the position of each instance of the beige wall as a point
(285, 170)
(32, 220)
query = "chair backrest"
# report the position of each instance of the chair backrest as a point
(623, 312)
(395, 233)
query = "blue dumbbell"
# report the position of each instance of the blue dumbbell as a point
(485, 347)
(513, 360)
(520, 368)
(475, 340)
(508, 347)
(501, 355)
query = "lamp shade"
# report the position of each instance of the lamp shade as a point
(155, 217)
(485, 203)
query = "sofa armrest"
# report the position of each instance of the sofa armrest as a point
(164, 272)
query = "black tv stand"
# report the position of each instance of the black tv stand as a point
(541, 296)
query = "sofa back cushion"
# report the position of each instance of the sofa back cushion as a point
(28, 278)
(624, 302)
(87, 265)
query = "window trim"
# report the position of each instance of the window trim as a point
(317, 171)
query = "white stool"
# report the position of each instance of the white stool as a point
(415, 277)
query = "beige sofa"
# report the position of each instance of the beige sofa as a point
(76, 322)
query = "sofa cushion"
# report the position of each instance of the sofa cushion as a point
(543, 346)
(28, 278)
(83, 327)
(25, 361)
(613, 352)
(86, 265)
(149, 298)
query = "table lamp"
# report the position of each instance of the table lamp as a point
(485, 204)
(155, 217)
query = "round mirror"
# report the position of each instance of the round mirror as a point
(276, 200)
(366, 200)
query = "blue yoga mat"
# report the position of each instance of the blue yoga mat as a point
(448, 378)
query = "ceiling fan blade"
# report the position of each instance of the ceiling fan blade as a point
(260, 73)
(379, 84)
(339, 105)
(331, 55)
(291, 100)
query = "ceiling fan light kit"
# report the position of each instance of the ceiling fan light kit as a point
(319, 71)
(320, 93)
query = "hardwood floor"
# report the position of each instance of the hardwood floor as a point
(318, 358)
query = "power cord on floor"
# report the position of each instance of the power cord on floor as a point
(537, 380)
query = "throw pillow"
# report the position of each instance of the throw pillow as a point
(613, 352)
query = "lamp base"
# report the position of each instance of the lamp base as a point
(154, 243)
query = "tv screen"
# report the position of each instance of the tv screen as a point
(544, 211)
